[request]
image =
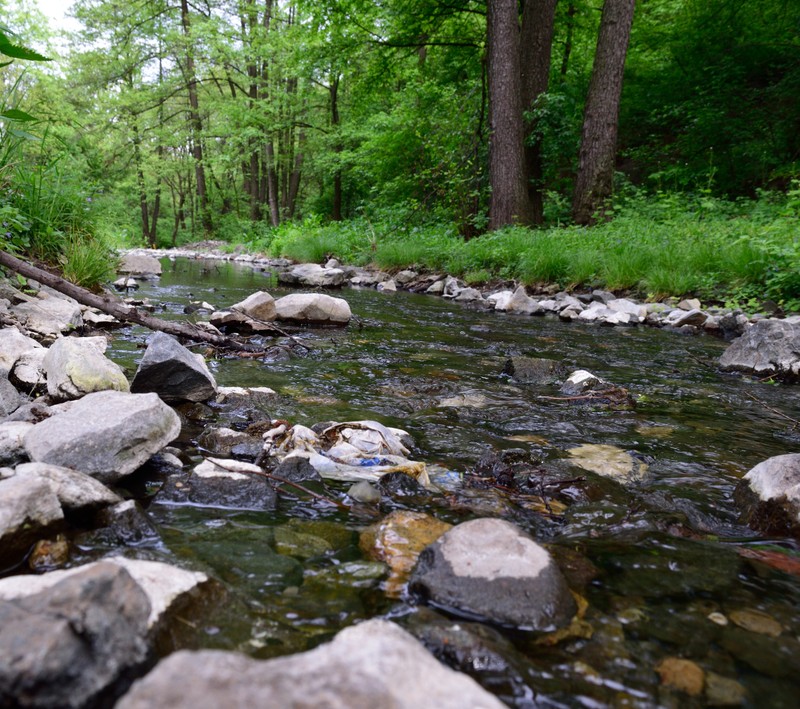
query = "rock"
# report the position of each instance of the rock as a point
(28, 374)
(68, 645)
(139, 265)
(769, 496)
(469, 400)
(500, 300)
(733, 325)
(222, 441)
(13, 344)
(608, 461)
(365, 493)
(48, 316)
(368, 278)
(405, 277)
(581, 381)
(12, 446)
(126, 523)
(10, 400)
(227, 484)
(489, 568)
(533, 370)
(623, 305)
(521, 304)
(49, 554)
(76, 366)
(254, 314)
(387, 286)
(359, 668)
(28, 510)
(244, 395)
(452, 287)
(694, 317)
(469, 295)
(259, 306)
(173, 372)
(689, 304)
(106, 434)
(683, 675)
(125, 284)
(768, 348)
(312, 275)
(724, 692)
(77, 493)
(603, 296)
(97, 319)
(398, 540)
(435, 288)
(292, 542)
(314, 308)
(756, 622)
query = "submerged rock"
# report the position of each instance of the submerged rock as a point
(359, 668)
(76, 366)
(769, 495)
(107, 434)
(534, 370)
(173, 372)
(768, 348)
(489, 568)
(608, 461)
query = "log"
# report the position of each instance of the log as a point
(111, 305)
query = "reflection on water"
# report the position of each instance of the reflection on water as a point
(666, 552)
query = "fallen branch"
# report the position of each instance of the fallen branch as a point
(111, 305)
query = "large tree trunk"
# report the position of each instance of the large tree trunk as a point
(509, 200)
(538, 23)
(594, 181)
(196, 123)
(115, 307)
(336, 214)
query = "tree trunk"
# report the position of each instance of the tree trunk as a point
(538, 24)
(294, 179)
(594, 181)
(509, 200)
(196, 123)
(272, 185)
(571, 12)
(336, 214)
(115, 307)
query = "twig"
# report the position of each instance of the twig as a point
(592, 395)
(780, 414)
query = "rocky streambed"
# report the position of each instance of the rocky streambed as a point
(561, 513)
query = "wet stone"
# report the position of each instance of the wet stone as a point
(531, 370)
(683, 675)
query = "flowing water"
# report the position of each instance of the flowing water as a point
(653, 559)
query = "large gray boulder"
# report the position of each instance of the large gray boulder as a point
(71, 645)
(768, 348)
(29, 374)
(534, 370)
(139, 265)
(313, 275)
(218, 482)
(173, 372)
(28, 510)
(13, 344)
(521, 303)
(76, 492)
(10, 400)
(108, 434)
(76, 366)
(12, 446)
(489, 568)
(315, 308)
(769, 495)
(373, 665)
(48, 316)
(167, 587)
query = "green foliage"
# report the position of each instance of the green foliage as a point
(87, 262)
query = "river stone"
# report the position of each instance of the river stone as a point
(139, 265)
(769, 495)
(28, 509)
(76, 366)
(76, 492)
(48, 316)
(398, 540)
(312, 275)
(13, 344)
(173, 372)
(227, 484)
(768, 348)
(367, 666)
(489, 568)
(107, 434)
(12, 446)
(125, 523)
(608, 461)
(259, 305)
(313, 308)
(10, 400)
(222, 441)
(534, 370)
(69, 645)
(28, 374)
(581, 381)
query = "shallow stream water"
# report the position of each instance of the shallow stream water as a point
(653, 559)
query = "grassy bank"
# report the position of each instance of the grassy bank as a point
(735, 253)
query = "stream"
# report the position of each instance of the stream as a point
(662, 562)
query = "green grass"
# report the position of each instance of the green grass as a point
(654, 247)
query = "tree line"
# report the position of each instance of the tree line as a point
(199, 114)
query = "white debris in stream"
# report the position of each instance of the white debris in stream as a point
(349, 451)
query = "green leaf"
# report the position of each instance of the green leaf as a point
(17, 52)
(5, 64)
(14, 114)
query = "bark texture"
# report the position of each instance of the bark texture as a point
(594, 181)
(509, 200)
